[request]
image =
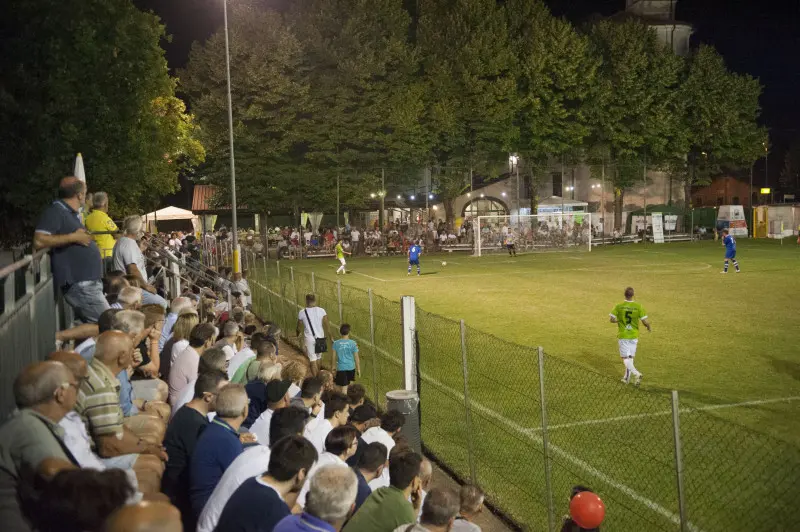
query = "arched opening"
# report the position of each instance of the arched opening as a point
(487, 206)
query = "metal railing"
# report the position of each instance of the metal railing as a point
(528, 426)
(29, 319)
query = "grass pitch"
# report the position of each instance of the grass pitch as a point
(727, 342)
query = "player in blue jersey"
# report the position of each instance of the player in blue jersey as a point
(730, 250)
(413, 257)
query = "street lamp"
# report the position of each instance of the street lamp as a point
(513, 160)
(234, 224)
(412, 197)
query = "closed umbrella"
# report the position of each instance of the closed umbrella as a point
(80, 173)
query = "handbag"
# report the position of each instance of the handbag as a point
(320, 344)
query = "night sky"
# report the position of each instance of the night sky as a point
(758, 38)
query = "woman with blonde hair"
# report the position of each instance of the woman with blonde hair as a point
(179, 340)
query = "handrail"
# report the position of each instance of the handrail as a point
(22, 263)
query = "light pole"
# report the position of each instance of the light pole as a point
(513, 159)
(234, 224)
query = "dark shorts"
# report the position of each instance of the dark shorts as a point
(344, 377)
(413, 262)
(511, 246)
(730, 254)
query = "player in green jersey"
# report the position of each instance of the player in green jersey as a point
(340, 253)
(627, 316)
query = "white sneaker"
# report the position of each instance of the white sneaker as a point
(638, 380)
(623, 381)
(723, 271)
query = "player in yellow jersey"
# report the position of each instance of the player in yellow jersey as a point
(340, 253)
(627, 316)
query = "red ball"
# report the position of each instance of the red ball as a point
(587, 509)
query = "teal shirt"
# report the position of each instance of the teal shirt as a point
(345, 354)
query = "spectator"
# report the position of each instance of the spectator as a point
(182, 434)
(246, 353)
(296, 372)
(102, 227)
(355, 396)
(391, 424)
(67, 508)
(218, 445)
(184, 367)
(438, 513)
(213, 359)
(113, 282)
(76, 262)
(127, 256)
(370, 465)
(425, 477)
(345, 359)
(276, 397)
(129, 298)
(259, 503)
(362, 418)
(178, 305)
(187, 320)
(99, 406)
(78, 442)
(340, 444)
(331, 496)
(241, 285)
(471, 506)
(314, 322)
(104, 323)
(231, 334)
(311, 398)
(44, 393)
(336, 414)
(145, 517)
(248, 371)
(355, 238)
(253, 462)
(388, 508)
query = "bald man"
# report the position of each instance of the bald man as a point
(77, 266)
(145, 473)
(145, 517)
(99, 406)
(30, 441)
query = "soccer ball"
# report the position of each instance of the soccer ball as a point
(444, 263)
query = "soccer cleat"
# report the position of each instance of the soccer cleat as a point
(638, 380)
(623, 380)
(723, 271)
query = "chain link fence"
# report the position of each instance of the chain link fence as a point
(528, 426)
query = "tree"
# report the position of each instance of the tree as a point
(631, 109)
(470, 91)
(87, 76)
(555, 71)
(790, 175)
(716, 124)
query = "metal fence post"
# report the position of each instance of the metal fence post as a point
(467, 415)
(291, 273)
(339, 297)
(551, 517)
(313, 284)
(278, 262)
(676, 433)
(374, 347)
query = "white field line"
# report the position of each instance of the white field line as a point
(370, 276)
(687, 410)
(628, 491)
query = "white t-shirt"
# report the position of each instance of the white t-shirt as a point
(260, 426)
(317, 432)
(315, 314)
(355, 235)
(253, 462)
(323, 460)
(177, 349)
(379, 435)
(238, 359)
(462, 525)
(126, 251)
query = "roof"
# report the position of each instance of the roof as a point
(170, 213)
(203, 200)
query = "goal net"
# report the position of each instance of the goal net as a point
(533, 232)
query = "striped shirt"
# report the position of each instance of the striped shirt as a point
(98, 401)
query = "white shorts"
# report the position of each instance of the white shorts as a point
(342, 261)
(627, 347)
(310, 348)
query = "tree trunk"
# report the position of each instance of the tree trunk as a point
(687, 192)
(263, 229)
(619, 196)
(533, 194)
(449, 212)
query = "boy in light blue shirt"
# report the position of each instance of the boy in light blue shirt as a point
(345, 359)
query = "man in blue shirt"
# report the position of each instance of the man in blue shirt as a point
(77, 266)
(329, 503)
(413, 257)
(370, 466)
(730, 250)
(259, 503)
(218, 445)
(345, 359)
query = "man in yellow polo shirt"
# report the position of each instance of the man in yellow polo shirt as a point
(98, 221)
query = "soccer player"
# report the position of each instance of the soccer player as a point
(730, 250)
(511, 244)
(340, 253)
(413, 257)
(627, 316)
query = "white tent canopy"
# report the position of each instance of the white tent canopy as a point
(170, 213)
